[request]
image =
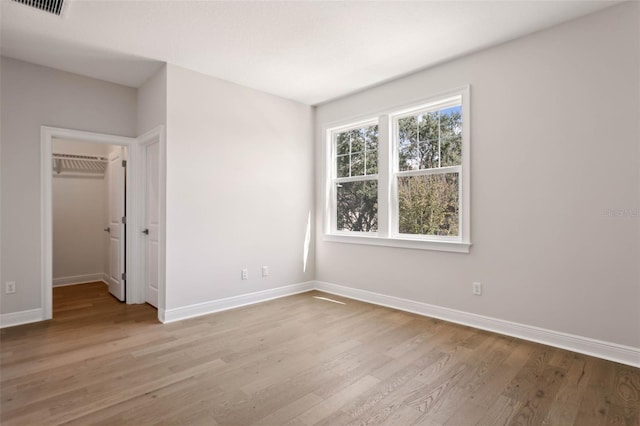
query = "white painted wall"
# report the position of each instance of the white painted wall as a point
(33, 96)
(152, 101)
(239, 188)
(68, 146)
(555, 143)
(78, 219)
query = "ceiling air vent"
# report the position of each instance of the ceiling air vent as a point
(50, 6)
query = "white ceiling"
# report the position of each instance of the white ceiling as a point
(309, 51)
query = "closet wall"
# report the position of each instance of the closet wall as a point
(79, 217)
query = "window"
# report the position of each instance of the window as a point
(428, 148)
(355, 178)
(401, 178)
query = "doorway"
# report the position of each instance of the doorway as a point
(139, 276)
(89, 214)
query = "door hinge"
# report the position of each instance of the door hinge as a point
(124, 163)
(124, 276)
(124, 220)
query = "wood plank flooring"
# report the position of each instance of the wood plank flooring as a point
(299, 360)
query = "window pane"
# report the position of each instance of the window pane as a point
(408, 143)
(357, 206)
(428, 139)
(357, 140)
(342, 143)
(428, 205)
(371, 149)
(371, 138)
(451, 136)
(452, 151)
(342, 166)
(357, 164)
(372, 162)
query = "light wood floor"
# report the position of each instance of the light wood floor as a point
(299, 360)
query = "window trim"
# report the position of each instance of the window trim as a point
(387, 175)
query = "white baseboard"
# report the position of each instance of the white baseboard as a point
(79, 279)
(585, 345)
(22, 317)
(177, 314)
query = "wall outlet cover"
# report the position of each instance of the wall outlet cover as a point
(477, 288)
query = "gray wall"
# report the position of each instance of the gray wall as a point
(33, 96)
(152, 101)
(554, 145)
(239, 188)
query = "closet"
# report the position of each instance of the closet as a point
(88, 207)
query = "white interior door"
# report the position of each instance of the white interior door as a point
(116, 191)
(152, 221)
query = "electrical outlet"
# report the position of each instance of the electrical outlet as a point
(477, 288)
(245, 274)
(10, 287)
(265, 271)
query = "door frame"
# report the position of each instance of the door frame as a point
(155, 135)
(47, 134)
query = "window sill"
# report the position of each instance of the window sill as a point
(450, 246)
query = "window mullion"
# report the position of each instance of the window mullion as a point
(439, 140)
(364, 141)
(384, 187)
(332, 171)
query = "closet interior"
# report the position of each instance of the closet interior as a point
(84, 195)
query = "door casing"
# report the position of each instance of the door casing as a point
(135, 205)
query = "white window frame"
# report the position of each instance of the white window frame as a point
(388, 171)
